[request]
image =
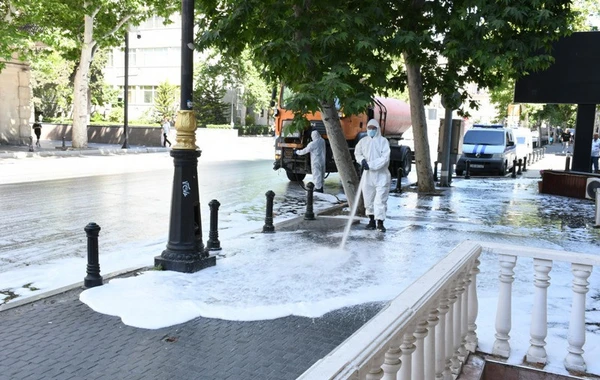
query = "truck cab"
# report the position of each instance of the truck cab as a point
(489, 148)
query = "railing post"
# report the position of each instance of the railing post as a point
(440, 338)
(504, 310)
(93, 278)
(456, 362)
(213, 243)
(450, 332)
(430, 344)
(576, 337)
(375, 371)
(464, 318)
(473, 308)
(407, 347)
(391, 363)
(539, 315)
(418, 359)
(309, 214)
(269, 227)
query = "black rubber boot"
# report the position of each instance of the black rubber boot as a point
(380, 226)
(371, 225)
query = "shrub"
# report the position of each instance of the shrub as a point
(218, 126)
(253, 130)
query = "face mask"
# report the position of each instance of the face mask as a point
(371, 132)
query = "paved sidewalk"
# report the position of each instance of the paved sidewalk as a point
(50, 148)
(59, 337)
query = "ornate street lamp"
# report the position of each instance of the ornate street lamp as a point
(185, 250)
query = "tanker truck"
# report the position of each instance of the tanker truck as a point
(393, 116)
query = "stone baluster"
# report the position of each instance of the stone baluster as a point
(456, 340)
(473, 308)
(504, 310)
(464, 318)
(440, 340)
(418, 357)
(375, 371)
(408, 347)
(576, 338)
(450, 331)
(430, 344)
(539, 314)
(391, 363)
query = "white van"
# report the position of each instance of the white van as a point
(524, 142)
(489, 148)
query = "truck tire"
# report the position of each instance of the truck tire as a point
(459, 172)
(502, 170)
(295, 177)
(406, 165)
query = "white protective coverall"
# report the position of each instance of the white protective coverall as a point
(376, 187)
(316, 148)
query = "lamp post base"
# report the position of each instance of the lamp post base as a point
(184, 264)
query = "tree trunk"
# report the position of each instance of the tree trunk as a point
(425, 183)
(81, 85)
(341, 153)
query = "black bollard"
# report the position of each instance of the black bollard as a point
(30, 144)
(93, 277)
(514, 169)
(64, 147)
(467, 169)
(435, 177)
(269, 227)
(213, 243)
(524, 164)
(398, 188)
(309, 214)
(568, 163)
(520, 163)
(543, 151)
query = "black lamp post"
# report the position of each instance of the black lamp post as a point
(185, 250)
(126, 94)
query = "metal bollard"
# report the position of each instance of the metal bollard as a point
(269, 227)
(213, 243)
(524, 164)
(467, 169)
(309, 214)
(514, 169)
(519, 171)
(568, 163)
(398, 188)
(30, 144)
(93, 277)
(543, 151)
(435, 177)
(64, 146)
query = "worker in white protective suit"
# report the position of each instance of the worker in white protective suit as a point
(316, 148)
(373, 153)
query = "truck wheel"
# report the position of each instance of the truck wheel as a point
(502, 170)
(406, 165)
(459, 172)
(295, 177)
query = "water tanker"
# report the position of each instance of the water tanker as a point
(393, 116)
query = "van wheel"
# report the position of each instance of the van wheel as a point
(295, 177)
(503, 169)
(459, 172)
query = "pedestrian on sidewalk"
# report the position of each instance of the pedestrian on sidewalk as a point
(316, 148)
(373, 153)
(37, 129)
(566, 138)
(595, 153)
(166, 127)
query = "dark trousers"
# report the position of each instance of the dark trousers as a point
(166, 140)
(595, 165)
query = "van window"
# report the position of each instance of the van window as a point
(484, 137)
(520, 140)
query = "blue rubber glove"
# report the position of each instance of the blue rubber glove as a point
(364, 164)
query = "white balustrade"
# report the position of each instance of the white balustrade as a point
(539, 312)
(504, 311)
(574, 360)
(419, 333)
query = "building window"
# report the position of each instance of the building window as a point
(431, 114)
(148, 94)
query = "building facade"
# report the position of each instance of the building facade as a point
(16, 112)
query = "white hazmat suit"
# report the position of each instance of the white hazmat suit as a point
(316, 148)
(376, 188)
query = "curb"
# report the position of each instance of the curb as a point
(79, 152)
